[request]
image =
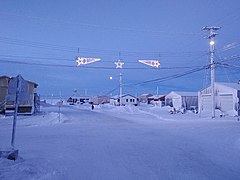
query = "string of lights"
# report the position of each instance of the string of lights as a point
(12, 60)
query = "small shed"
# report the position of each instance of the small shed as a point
(182, 100)
(96, 100)
(127, 99)
(158, 100)
(226, 98)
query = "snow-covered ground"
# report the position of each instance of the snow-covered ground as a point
(128, 142)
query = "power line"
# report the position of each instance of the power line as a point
(232, 58)
(86, 25)
(166, 78)
(102, 52)
(229, 65)
(229, 18)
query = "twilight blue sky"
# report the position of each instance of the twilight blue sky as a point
(41, 39)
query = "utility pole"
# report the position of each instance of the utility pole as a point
(18, 86)
(119, 65)
(120, 89)
(211, 36)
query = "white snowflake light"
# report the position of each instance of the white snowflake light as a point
(119, 64)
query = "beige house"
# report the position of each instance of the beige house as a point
(96, 100)
(3, 91)
(27, 96)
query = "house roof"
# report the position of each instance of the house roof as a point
(156, 96)
(30, 82)
(146, 94)
(117, 96)
(4, 77)
(35, 84)
(100, 97)
(182, 93)
(231, 85)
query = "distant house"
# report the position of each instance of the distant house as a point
(182, 100)
(158, 100)
(29, 101)
(96, 100)
(127, 99)
(227, 98)
(77, 100)
(144, 97)
(73, 100)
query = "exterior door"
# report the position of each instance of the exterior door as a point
(226, 102)
(177, 103)
(206, 102)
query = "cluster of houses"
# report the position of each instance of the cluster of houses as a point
(227, 97)
(28, 101)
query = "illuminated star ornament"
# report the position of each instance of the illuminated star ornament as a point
(82, 60)
(119, 64)
(153, 63)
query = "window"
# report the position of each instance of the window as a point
(126, 100)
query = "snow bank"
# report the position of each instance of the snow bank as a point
(42, 119)
(128, 142)
(28, 169)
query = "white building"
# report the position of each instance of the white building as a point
(182, 100)
(226, 98)
(127, 99)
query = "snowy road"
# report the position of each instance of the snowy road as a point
(99, 145)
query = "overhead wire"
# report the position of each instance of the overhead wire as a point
(162, 79)
(104, 27)
(166, 78)
(100, 52)
(229, 18)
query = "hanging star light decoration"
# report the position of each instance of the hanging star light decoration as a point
(153, 63)
(119, 64)
(82, 60)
